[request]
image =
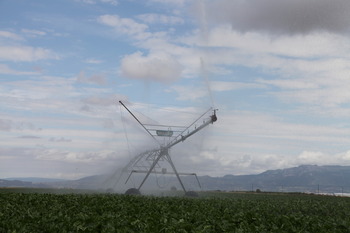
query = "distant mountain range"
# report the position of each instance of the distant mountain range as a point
(20, 183)
(305, 178)
(35, 179)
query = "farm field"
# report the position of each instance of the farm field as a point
(30, 211)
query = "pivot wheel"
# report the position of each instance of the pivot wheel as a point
(191, 194)
(133, 191)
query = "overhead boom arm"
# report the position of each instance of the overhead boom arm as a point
(212, 119)
(181, 137)
(138, 120)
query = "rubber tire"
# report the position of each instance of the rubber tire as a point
(191, 194)
(133, 191)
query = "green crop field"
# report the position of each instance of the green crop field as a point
(211, 212)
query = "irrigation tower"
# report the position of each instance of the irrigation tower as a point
(151, 161)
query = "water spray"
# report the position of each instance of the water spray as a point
(151, 161)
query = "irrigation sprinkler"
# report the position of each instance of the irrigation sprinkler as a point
(149, 162)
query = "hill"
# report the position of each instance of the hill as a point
(304, 178)
(35, 179)
(20, 183)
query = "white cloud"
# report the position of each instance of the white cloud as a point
(282, 17)
(321, 158)
(110, 100)
(62, 139)
(320, 82)
(10, 35)
(94, 61)
(87, 1)
(29, 137)
(10, 125)
(313, 45)
(155, 66)
(33, 33)
(161, 19)
(68, 156)
(25, 53)
(291, 84)
(313, 157)
(310, 69)
(56, 163)
(5, 125)
(5, 69)
(267, 126)
(51, 96)
(329, 97)
(99, 79)
(125, 26)
(191, 93)
(112, 2)
(230, 86)
(170, 2)
(251, 142)
(194, 93)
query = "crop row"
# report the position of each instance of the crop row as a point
(34, 212)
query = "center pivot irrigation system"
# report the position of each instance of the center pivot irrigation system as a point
(151, 161)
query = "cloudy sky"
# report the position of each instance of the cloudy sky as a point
(278, 71)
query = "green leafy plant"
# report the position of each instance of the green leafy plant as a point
(211, 212)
